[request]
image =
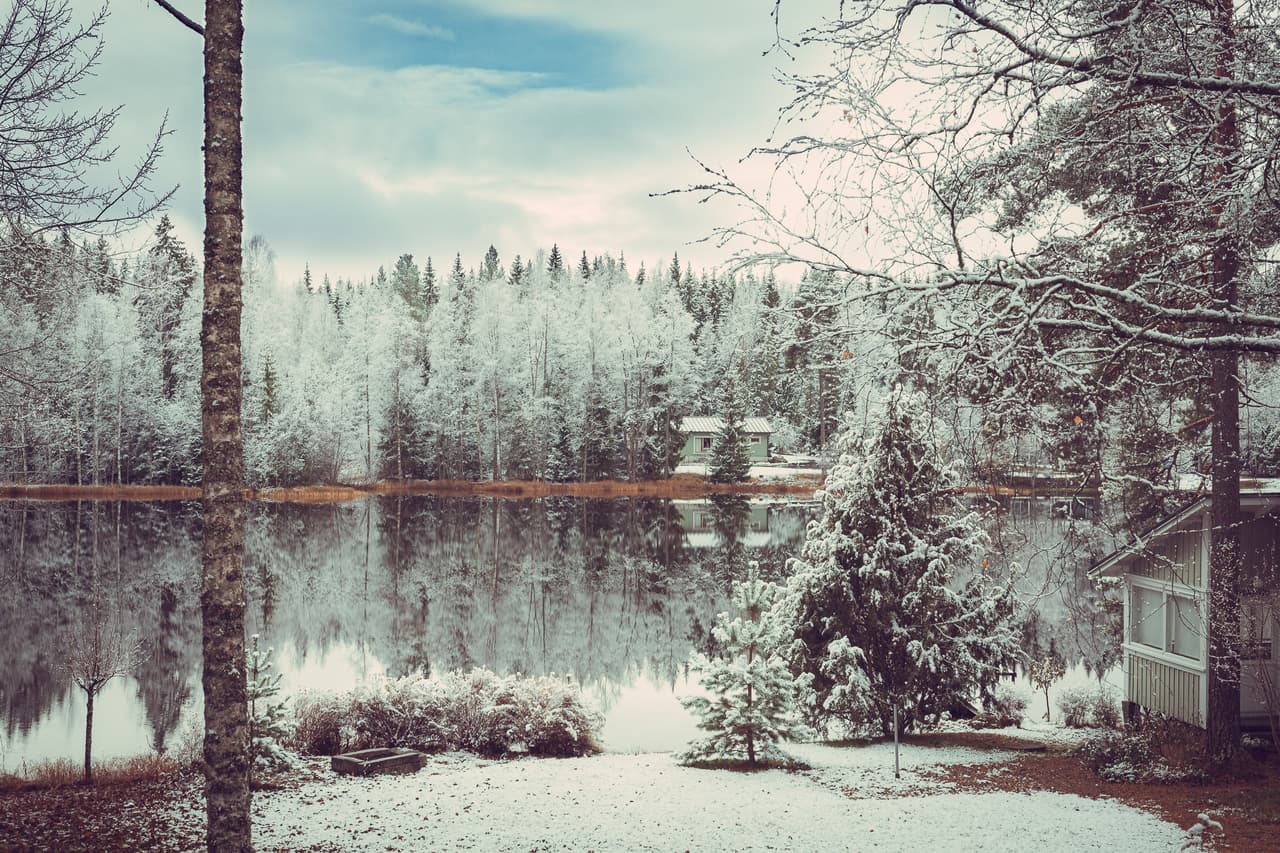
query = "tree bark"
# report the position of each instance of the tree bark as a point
(226, 744)
(1222, 714)
(88, 736)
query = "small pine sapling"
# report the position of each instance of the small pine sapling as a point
(268, 724)
(750, 706)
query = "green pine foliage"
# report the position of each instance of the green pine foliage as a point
(730, 461)
(877, 606)
(269, 725)
(750, 705)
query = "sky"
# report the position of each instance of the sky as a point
(432, 127)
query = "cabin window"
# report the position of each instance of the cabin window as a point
(1146, 615)
(1186, 632)
(1170, 623)
(705, 443)
(1256, 631)
(755, 439)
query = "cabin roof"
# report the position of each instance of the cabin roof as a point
(1253, 493)
(707, 423)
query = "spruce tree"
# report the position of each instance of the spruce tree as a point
(555, 263)
(268, 724)
(750, 707)
(730, 461)
(875, 605)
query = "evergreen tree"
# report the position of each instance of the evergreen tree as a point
(673, 274)
(268, 722)
(307, 282)
(640, 275)
(600, 439)
(516, 277)
(730, 462)
(407, 284)
(584, 268)
(555, 263)
(750, 707)
(875, 604)
(457, 278)
(430, 288)
(491, 268)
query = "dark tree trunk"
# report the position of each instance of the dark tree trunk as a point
(226, 744)
(1222, 714)
(88, 737)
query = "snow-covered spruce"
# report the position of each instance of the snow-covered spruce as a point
(750, 707)
(875, 607)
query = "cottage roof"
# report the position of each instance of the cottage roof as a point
(1253, 493)
(706, 423)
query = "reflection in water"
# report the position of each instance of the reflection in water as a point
(612, 593)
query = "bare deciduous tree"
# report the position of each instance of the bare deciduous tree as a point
(51, 158)
(102, 652)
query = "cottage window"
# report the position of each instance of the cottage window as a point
(1256, 627)
(755, 439)
(1146, 617)
(705, 443)
(1170, 623)
(1186, 632)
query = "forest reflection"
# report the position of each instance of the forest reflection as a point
(615, 594)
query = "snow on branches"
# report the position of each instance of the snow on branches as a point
(750, 706)
(876, 608)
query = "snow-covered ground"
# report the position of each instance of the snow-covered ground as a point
(757, 472)
(848, 801)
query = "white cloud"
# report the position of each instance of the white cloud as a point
(406, 27)
(347, 166)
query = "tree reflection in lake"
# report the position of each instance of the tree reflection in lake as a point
(612, 593)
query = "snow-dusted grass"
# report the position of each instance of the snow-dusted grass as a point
(648, 802)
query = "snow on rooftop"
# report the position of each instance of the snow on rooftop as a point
(713, 424)
(648, 802)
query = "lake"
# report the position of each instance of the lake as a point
(613, 594)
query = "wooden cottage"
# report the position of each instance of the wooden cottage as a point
(702, 432)
(1166, 575)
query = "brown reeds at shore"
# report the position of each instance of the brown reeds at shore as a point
(685, 486)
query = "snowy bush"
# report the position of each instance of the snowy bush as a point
(549, 717)
(1134, 757)
(1076, 704)
(402, 712)
(478, 711)
(750, 706)
(1005, 707)
(320, 723)
(1084, 707)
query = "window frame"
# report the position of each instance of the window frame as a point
(1167, 609)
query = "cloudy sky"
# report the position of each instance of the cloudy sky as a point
(376, 127)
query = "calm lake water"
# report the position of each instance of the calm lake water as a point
(614, 594)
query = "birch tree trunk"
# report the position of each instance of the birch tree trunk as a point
(226, 744)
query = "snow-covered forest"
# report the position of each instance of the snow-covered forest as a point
(533, 368)
(528, 368)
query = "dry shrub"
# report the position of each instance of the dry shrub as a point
(63, 772)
